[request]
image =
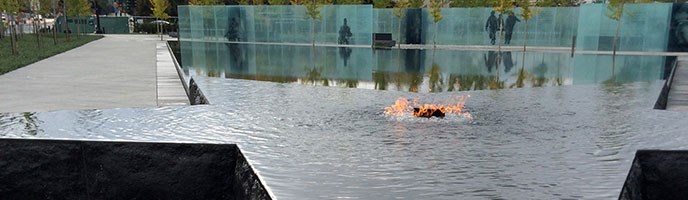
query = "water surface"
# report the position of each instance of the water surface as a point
(572, 141)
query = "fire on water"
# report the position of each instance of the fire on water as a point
(402, 106)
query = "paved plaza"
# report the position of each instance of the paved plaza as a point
(113, 72)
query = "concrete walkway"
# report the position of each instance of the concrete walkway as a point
(113, 72)
(678, 94)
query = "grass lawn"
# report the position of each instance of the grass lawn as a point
(30, 53)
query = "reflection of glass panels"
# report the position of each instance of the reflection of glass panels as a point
(590, 69)
(415, 70)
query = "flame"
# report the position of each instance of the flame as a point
(402, 106)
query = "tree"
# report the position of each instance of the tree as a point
(201, 2)
(528, 11)
(78, 8)
(348, 2)
(159, 7)
(504, 7)
(471, 3)
(557, 3)
(278, 2)
(399, 12)
(12, 8)
(436, 12)
(46, 10)
(313, 11)
(616, 11)
(416, 3)
(381, 3)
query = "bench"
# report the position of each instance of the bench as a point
(383, 40)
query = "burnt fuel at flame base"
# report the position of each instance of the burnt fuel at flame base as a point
(402, 107)
(427, 113)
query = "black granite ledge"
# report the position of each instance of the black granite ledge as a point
(63, 169)
(657, 174)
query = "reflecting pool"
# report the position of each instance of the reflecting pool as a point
(415, 70)
(572, 140)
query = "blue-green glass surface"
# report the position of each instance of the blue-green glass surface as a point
(644, 27)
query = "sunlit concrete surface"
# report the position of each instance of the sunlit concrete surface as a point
(115, 71)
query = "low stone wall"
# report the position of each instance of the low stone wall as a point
(60, 169)
(657, 174)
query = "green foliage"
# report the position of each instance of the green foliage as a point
(436, 10)
(416, 3)
(159, 7)
(278, 2)
(78, 7)
(382, 3)
(348, 2)
(46, 7)
(472, 3)
(616, 9)
(28, 52)
(313, 7)
(10, 6)
(528, 10)
(203, 2)
(557, 3)
(400, 8)
(504, 6)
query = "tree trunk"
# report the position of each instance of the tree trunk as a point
(399, 33)
(434, 37)
(525, 43)
(616, 39)
(2, 28)
(499, 37)
(45, 24)
(37, 32)
(13, 39)
(78, 24)
(66, 29)
(313, 31)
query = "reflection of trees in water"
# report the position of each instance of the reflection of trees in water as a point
(380, 79)
(436, 82)
(313, 75)
(467, 82)
(520, 78)
(31, 123)
(539, 79)
(348, 83)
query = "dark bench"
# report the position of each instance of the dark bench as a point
(383, 40)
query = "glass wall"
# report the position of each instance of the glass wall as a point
(644, 27)
(276, 24)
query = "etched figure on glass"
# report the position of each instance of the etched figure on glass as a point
(509, 27)
(233, 30)
(491, 26)
(344, 33)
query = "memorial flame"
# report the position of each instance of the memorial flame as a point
(402, 106)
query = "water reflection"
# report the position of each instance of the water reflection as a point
(413, 70)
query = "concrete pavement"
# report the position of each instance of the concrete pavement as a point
(678, 94)
(115, 71)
